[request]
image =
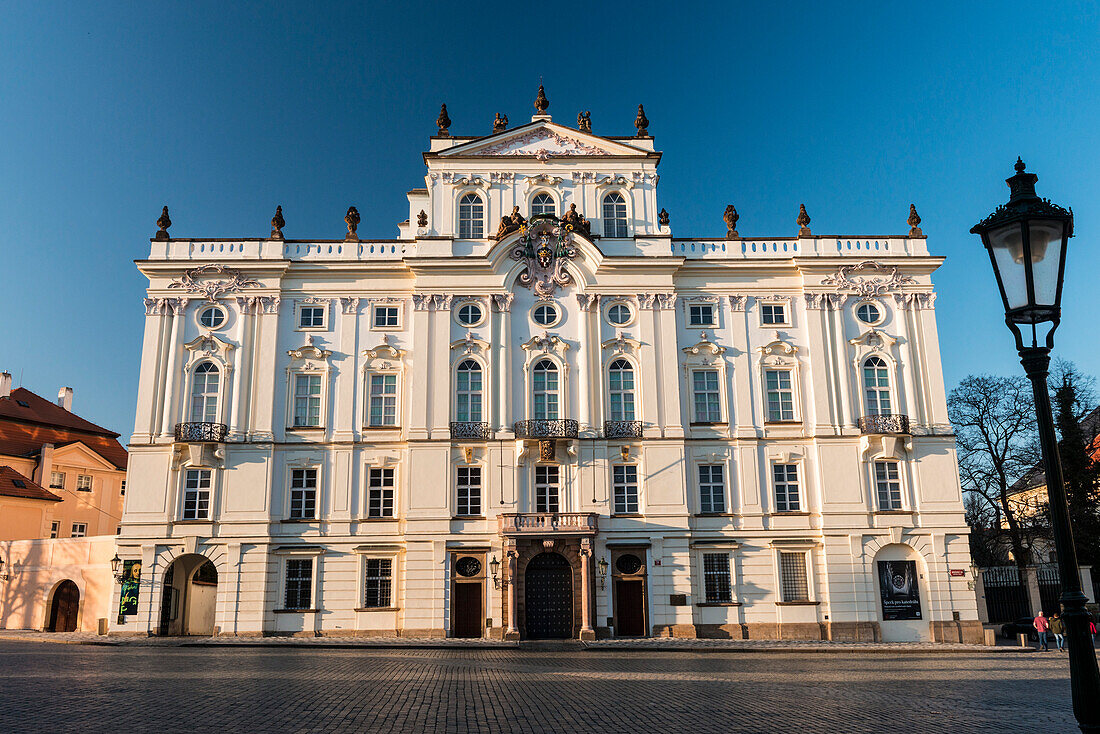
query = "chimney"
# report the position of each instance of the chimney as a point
(45, 465)
(5, 384)
(65, 398)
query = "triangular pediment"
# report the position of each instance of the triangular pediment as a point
(543, 140)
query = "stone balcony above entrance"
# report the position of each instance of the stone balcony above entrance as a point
(555, 524)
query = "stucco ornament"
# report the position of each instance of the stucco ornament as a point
(545, 247)
(868, 286)
(193, 281)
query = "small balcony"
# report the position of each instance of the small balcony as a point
(470, 430)
(549, 523)
(622, 429)
(201, 432)
(543, 428)
(884, 424)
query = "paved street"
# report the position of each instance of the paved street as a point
(81, 688)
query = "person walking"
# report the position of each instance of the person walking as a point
(1058, 627)
(1042, 625)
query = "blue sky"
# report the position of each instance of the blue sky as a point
(109, 112)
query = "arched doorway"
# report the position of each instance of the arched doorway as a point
(188, 597)
(64, 607)
(903, 600)
(548, 597)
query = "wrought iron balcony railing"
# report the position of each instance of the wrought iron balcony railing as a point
(885, 423)
(544, 428)
(622, 429)
(549, 523)
(201, 432)
(470, 429)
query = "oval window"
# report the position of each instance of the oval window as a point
(868, 313)
(212, 317)
(545, 314)
(469, 314)
(619, 314)
(468, 566)
(628, 564)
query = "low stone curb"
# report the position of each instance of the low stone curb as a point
(814, 649)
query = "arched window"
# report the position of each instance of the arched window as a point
(621, 383)
(204, 393)
(542, 204)
(544, 388)
(876, 386)
(471, 217)
(614, 215)
(468, 392)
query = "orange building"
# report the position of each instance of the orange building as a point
(60, 475)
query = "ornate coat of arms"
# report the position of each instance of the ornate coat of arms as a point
(545, 246)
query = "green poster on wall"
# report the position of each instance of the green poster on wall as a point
(128, 598)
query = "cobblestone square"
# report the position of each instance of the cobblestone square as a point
(82, 688)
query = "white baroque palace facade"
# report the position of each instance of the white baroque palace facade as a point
(544, 426)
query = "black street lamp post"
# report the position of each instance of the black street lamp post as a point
(1026, 239)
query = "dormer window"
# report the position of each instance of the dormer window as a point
(542, 204)
(471, 217)
(614, 215)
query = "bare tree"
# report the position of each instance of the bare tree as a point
(994, 420)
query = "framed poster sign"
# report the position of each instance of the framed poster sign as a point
(128, 596)
(899, 590)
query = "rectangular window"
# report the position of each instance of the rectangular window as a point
(84, 482)
(716, 578)
(299, 583)
(307, 401)
(773, 313)
(792, 576)
(303, 494)
(787, 498)
(57, 480)
(888, 485)
(311, 317)
(780, 395)
(624, 479)
(546, 489)
(712, 489)
(385, 317)
(55, 528)
(469, 490)
(122, 489)
(380, 493)
(383, 400)
(377, 582)
(196, 495)
(705, 389)
(701, 315)
(80, 529)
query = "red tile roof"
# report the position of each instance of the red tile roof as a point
(14, 484)
(26, 407)
(24, 428)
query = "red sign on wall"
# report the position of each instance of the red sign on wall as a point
(957, 572)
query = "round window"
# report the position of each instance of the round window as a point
(545, 314)
(469, 314)
(212, 317)
(468, 566)
(619, 314)
(628, 564)
(869, 313)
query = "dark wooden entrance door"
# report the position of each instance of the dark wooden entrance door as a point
(66, 602)
(629, 610)
(468, 609)
(548, 597)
